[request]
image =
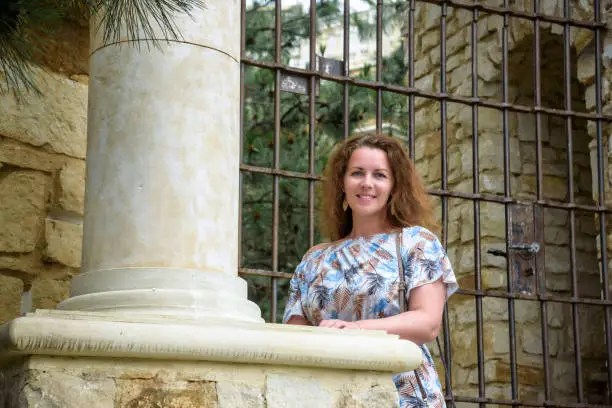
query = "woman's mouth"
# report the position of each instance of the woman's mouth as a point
(366, 197)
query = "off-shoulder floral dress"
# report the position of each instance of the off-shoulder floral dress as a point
(356, 279)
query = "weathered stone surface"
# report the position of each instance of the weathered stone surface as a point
(428, 15)
(280, 389)
(57, 118)
(560, 283)
(59, 390)
(434, 171)
(232, 395)
(462, 310)
(422, 67)
(32, 264)
(72, 186)
(135, 393)
(29, 264)
(431, 144)
(64, 242)
(556, 259)
(47, 293)
(66, 50)
(461, 74)
(373, 396)
(454, 61)
(466, 261)
(429, 40)
(500, 371)
(557, 313)
(497, 338)
(428, 83)
(58, 382)
(24, 198)
(11, 290)
(27, 156)
(531, 340)
(495, 309)
(586, 67)
(493, 220)
(84, 79)
(464, 345)
(457, 42)
(526, 312)
(556, 235)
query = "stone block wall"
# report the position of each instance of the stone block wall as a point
(42, 177)
(521, 128)
(126, 383)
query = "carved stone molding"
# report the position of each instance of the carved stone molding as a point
(62, 333)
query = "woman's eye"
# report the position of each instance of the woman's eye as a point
(356, 173)
(380, 175)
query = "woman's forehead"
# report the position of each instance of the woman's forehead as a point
(369, 157)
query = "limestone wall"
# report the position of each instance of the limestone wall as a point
(522, 156)
(128, 383)
(42, 171)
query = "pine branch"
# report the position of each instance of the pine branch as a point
(20, 52)
(135, 16)
(16, 60)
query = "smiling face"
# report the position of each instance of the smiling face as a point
(368, 182)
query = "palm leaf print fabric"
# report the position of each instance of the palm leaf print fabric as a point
(356, 279)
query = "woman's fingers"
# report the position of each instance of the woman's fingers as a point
(334, 323)
(339, 324)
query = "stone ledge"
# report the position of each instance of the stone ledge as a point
(60, 333)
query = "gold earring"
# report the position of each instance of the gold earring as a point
(344, 204)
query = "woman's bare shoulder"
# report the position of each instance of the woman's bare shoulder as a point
(321, 247)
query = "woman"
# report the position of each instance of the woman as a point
(372, 195)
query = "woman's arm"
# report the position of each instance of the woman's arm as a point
(420, 324)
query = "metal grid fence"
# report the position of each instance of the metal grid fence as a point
(311, 79)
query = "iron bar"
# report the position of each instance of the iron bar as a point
(241, 151)
(263, 272)
(379, 67)
(476, 203)
(507, 194)
(444, 173)
(276, 159)
(540, 288)
(312, 122)
(346, 57)
(411, 126)
(572, 213)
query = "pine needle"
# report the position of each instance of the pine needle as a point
(120, 20)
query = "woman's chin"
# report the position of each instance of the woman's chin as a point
(367, 211)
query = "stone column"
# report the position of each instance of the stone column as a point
(161, 210)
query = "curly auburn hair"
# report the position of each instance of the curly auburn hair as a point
(409, 203)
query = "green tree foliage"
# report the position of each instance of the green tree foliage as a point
(258, 119)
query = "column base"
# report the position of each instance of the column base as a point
(42, 381)
(173, 292)
(102, 360)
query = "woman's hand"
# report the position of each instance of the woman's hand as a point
(340, 324)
